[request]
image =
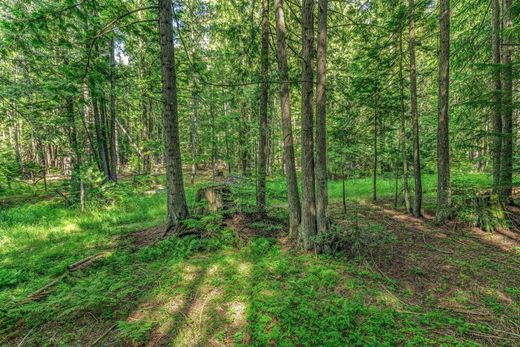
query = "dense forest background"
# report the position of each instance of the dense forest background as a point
(95, 66)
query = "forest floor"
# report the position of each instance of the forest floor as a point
(398, 280)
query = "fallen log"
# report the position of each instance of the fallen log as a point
(82, 264)
(42, 292)
(86, 262)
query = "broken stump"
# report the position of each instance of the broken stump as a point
(214, 199)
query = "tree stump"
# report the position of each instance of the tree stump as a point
(490, 213)
(216, 199)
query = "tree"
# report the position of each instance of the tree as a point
(293, 196)
(262, 119)
(443, 136)
(506, 162)
(415, 116)
(113, 139)
(497, 95)
(176, 200)
(402, 137)
(321, 122)
(308, 223)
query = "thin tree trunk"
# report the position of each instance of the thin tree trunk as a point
(87, 110)
(415, 116)
(104, 131)
(177, 207)
(343, 189)
(374, 168)
(506, 165)
(113, 143)
(17, 147)
(322, 198)
(497, 96)
(100, 138)
(213, 138)
(443, 147)
(308, 223)
(285, 108)
(75, 153)
(194, 126)
(130, 140)
(406, 190)
(262, 119)
(243, 143)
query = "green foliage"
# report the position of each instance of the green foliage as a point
(135, 332)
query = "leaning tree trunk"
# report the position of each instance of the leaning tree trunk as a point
(443, 147)
(321, 128)
(497, 96)
(506, 165)
(262, 117)
(177, 207)
(415, 116)
(288, 142)
(308, 224)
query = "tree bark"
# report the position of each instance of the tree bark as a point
(497, 95)
(406, 190)
(506, 165)
(374, 167)
(443, 146)
(193, 142)
(100, 138)
(375, 159)
(113, 143)
(322, 199)
(285, 108)
(415, 116)
(262, 119)
(308, 223)
(176, 199)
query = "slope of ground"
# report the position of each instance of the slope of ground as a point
(397, 281)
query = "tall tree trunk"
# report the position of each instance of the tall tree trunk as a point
(177, 207)
(308, 224)
(193, 142)
(100, 138)
(322, 198)
(104, 131)
(288, 142)
(213, 137)
(415, 116)
(113, 144)
(76, 184)
(406, 190)
(262, 119)
(17, 146)
(497, 96)
(243, 143)
(506, 165)
(443, 144)
(374, 168)
(87, 111)
(146, 117)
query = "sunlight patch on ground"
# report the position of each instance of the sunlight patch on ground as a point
(244, 269)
